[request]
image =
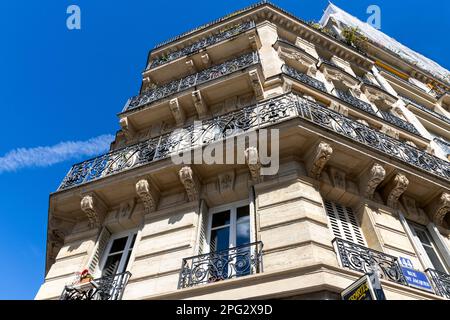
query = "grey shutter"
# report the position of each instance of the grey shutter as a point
(343, 223)
(203, 228)
(100, 247)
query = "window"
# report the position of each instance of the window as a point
(343, 223)
(117, 254)
(229, 227)
(427, 247)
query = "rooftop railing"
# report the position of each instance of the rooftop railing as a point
(201, 44)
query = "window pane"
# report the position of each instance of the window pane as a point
(243, 226)
(111, 265)
(118, 245)
(422, 236)
(434, 259)
(220, 239)
(243, 214)
(221, 218)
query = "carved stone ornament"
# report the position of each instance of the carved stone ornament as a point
(199, 103)
(147, 195)
(94, 208)
(322, 155)
(256, 84)
(177, 111)
(374, 177)
(226, 181)
(190, 183)
(439, 208)
(253, 163)
(395, 189)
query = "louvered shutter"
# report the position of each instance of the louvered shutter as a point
(343, 223)
(99, 249)
(203, 228)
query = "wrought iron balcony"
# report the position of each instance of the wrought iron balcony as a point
(217, 266)
(441, 282)
(193, 80)
(356, 257)
(265, 113)
(429, 111)
(300, 76)
(389, 117)
(105, 288)
(362, 105)
(203, 43)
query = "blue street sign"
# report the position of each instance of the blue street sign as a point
(417, 279)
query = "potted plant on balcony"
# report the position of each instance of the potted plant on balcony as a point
(85, 276)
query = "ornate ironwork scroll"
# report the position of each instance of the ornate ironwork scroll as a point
(441, 282)
(302, 77)
(221, 265)
(105, 288)
(356, 257)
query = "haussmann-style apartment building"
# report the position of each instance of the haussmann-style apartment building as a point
(363, 136)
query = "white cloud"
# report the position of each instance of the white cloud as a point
(46, 156)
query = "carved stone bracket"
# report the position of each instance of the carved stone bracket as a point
(147, 194)
(319, 159)
(199, 103)
(191, 66)
(371, 179)
(94, 208)
(205, 59)
(256, 84)
(127, 128)
(394, 189)
(177, 111)
(253, 42)
(253, 163)
(439, 208)
(226, 181)
(190, 183)
(339, 108)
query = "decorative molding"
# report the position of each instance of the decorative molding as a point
(226, 181)
(199, 103)
(256, 84)
(253, 162)
(177, 111)
(147, 194)
(371, 180)
(439, 208)
(253, 42)
(190, 183)
(390, 131)
(394, 189)
(94, 208)
(338, 178)
(320, 158)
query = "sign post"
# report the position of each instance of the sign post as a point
(368, 287)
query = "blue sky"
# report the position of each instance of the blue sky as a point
(58, 86)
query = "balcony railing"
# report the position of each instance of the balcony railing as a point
(263, 114)
(302, 77)
(193, 80)
(217, 266)
(429, 111)
(441, 282)
(201, 44)
(105, 288)
(356, 257)
(362, 105)
(389, 117)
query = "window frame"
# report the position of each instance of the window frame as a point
(421, 250)
(232, 207)
(129, 234)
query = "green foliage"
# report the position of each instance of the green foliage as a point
(352, 36)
